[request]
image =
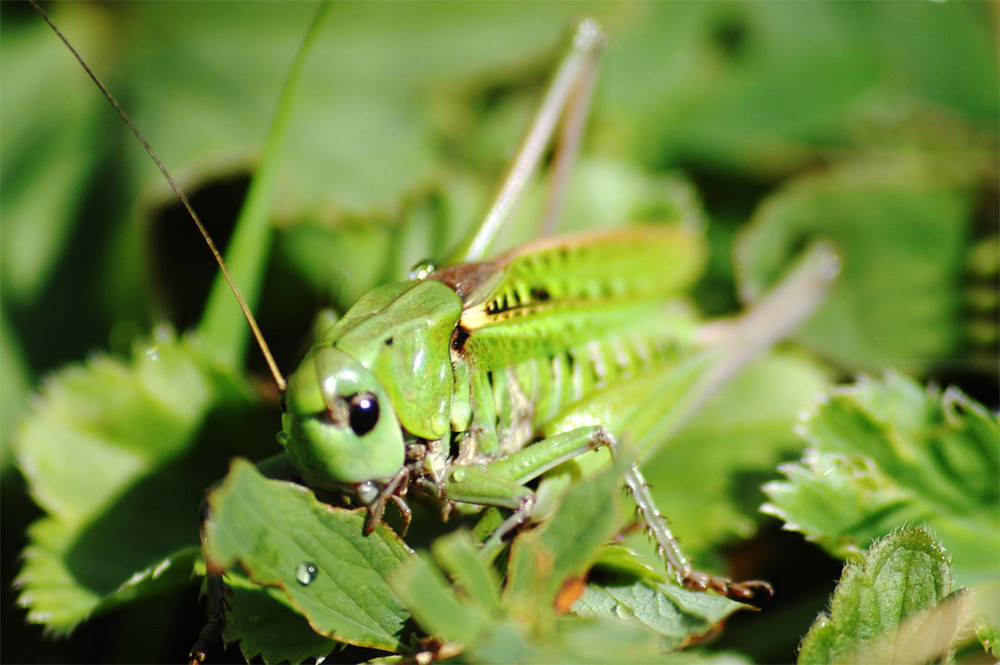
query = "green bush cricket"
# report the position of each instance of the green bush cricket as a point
(467, 382)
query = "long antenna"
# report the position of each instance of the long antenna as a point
(273, 366)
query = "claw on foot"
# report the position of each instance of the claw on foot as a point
(751, 591)
(210, 634)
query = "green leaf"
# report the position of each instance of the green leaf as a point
(619, 560)
(761, 107)
(900, 227)
(435, 606)
(565, 640)
(635, 621)
(679, 615)
(357, 246)
(267, 628)
(827, 495)
(61, 588)
(275, 529)
(459, 556)
(901, 576)
(735, 86)
(887, 453)
(577, 640)
(568, 543)
(526, 627)
(104, 445)
(49, 151)
(960, 71)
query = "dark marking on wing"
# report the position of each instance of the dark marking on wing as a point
(539, 294)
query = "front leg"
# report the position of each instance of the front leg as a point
(374, 495)
(501, 482)
(478, 485)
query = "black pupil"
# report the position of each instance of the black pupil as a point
(363, 413)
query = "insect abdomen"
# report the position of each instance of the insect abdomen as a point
(532, 393)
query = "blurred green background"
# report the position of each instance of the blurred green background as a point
(874, 124)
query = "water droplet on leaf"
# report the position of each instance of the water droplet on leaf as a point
(421, 269)
(306, 572)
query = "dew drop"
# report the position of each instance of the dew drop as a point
(306, 572)
(421, 269)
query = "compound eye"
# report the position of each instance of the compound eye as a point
(362, 413)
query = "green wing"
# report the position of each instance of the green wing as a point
(556, 293)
